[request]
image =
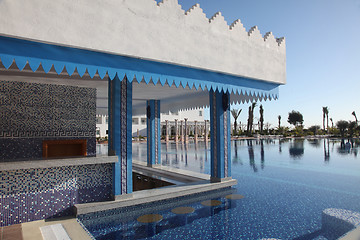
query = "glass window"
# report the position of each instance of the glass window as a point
(143, 121)
(107, 119)
(107, 131)
(200, 113)
(135, 121)
(97, 132)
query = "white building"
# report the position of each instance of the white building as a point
(102, 125)
(139, 121)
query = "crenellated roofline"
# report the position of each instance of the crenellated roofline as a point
(146, 29)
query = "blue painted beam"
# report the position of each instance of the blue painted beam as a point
(120, 134)
(153, 132)
(67, 58)
(220, 135)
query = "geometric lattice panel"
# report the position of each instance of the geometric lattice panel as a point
(34, 110)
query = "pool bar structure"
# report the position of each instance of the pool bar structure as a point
(62, 64)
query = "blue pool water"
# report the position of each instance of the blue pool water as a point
(286, 185)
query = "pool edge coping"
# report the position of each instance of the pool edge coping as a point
(153, 195)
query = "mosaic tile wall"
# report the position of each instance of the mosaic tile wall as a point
(33, 112)
(34, 194)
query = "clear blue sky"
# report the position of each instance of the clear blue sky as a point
(323, 53)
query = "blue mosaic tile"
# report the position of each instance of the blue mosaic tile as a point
(34, 194)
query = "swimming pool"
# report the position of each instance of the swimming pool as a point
(286, 185)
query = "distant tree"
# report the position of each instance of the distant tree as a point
(342, 125)
(267, 126)
(261, 118)
(248, 122)
(279, 118)
(235, 113)
(325, 114)
(327, 119)
(314, 129)
(332, 123)
(352, 128)
(295, 118)
(253, 105)
(251, 118)
(353, 113)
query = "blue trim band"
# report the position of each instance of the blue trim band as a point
(47, 55)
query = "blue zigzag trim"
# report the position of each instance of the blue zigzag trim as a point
(62, 58)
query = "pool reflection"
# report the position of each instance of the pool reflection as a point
(326, 150)
(350, 147)
(296, 149)
(195, 157)
(251, 155)
(265, 169)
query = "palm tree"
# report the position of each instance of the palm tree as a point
(327, 119)
(253, 105)
(342, 126)
(332, 123)
(352, 128)
(235, 113)
(353, 113)
(261, 118)
(251, 118)
(325, 112)
(279, 117)
(248, 122)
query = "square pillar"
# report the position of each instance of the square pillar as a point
(220, 136)
(166, 131)
(206, 131)
(181, 131)
(195, 132)
(186, 131)
(153, 132)
(120, 134)
(176, 131)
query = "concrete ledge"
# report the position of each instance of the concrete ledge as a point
(55, 231)
(31, 230)
(216, 179)
(339, 221)
(352, 235)
(171, 173)
(153, 195)
(6, 166)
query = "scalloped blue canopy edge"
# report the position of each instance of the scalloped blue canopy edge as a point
(60, 57)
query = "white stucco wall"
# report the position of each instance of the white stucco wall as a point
(145, 29)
